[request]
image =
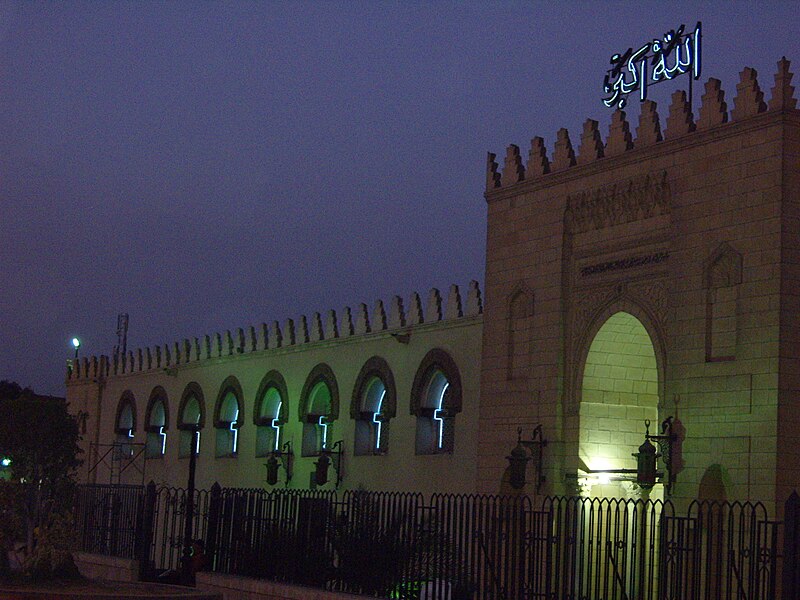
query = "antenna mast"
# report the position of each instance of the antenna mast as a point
(122, 334)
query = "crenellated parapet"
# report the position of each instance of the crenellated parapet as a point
(350, 323)
(680, 121)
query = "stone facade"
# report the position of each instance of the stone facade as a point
(694, 233)
(638, 277)
(405, 343)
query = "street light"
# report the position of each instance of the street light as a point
(76, 343)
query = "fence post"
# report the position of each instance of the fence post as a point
(214, 510)
(791, 548)
(144, 533)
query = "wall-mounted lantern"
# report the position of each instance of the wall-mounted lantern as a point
(280, 458)
(647, 474)
(519, 457)
(326, 457)
(646, 465)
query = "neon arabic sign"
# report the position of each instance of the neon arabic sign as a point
(657, 61)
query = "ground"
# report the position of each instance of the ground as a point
(96, 590)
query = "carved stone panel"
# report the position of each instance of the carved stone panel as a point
(633, 200)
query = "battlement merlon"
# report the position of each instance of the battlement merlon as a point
(748, 103)
(292, 333)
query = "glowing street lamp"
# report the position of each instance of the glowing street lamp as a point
(76, 343)
(5, 462)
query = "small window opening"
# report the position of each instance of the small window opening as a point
(372, 426)
(318, 421)
(156, 442)
(435, 423)
(124, 429)
(228, 427)
(190, 428)
(268, 433)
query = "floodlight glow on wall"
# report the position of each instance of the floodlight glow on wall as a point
(646, 473)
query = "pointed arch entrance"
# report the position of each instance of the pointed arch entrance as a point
(619, 389)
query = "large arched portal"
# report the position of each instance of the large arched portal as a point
(619, 390)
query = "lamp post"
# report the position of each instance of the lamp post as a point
(186, 572)
(76, 343)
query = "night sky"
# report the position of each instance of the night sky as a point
(206, 166)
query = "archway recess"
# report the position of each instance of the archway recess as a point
(619, 390)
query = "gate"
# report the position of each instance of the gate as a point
(602, 549)
(720, 551)
(108, 518)
(168, 530)
(594, 548)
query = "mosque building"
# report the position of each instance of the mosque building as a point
(649, 274)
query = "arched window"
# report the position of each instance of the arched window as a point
(156, 423)
(228, 418)
(270, 413)
(373, 405)
(436, 400)
(319, 404)
(191, 420)
(125, 423)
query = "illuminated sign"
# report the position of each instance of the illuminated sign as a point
(657, 61)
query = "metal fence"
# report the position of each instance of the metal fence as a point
(398, 545)
(108, 518)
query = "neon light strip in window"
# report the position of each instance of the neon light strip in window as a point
(324, 432)
(436, 416)
(163, 439)
(275, 426)
(130, 433)
(378, 423)
(197, 443)
(235, 431)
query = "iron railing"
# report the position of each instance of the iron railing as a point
(397, 545)
(108, 518)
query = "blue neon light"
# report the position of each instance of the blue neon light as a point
(378, 423)
(275, 426)
(660, 60)
(436, 416)
(163, 439)
(324, 432)
(235, 431)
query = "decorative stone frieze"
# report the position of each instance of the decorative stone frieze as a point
(636, 199)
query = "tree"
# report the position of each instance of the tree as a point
(40, 438)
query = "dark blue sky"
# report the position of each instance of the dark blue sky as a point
(208, 166)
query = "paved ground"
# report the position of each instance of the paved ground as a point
(99, 590)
